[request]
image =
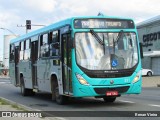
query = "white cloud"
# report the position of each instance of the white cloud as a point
(40, 5)
(8, 19)
(15, 12)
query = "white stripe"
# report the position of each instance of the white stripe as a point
(154, 105)
(60, 118)
(5, 82)
(126, 101)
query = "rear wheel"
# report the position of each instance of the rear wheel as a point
(25, 91)
(109, 99)
(53, 88)
(149, 73)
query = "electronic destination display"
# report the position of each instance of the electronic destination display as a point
(103, 23)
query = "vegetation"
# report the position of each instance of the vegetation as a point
(16, 106)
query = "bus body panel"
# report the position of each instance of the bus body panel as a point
(44, 75)
(12, 73)
(25, 70)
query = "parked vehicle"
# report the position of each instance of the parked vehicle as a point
(147, 72)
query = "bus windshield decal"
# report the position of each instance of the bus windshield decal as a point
(103, 23)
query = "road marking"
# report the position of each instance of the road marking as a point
(126, 101)
(5, 82)
(154, 105)
(60, 118)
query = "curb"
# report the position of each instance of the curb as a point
(20, 105)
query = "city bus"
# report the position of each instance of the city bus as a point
(96, 56)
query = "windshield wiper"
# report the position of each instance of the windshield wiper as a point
(97, 37)
(121, 33)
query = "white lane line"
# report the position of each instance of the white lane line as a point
(154, 105)
(126, 101)
(5, 82)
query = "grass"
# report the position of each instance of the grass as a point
(16, 106)
(3, 102)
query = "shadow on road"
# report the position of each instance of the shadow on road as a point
(76, 102)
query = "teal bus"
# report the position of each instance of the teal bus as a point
(96, 56)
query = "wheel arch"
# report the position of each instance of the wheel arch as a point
(21, 76)
(53, 80)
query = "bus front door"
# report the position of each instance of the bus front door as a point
(66, 64)
(34, 57)
(16, 66)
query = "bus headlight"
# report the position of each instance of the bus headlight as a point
(81, 79)
(136, 79)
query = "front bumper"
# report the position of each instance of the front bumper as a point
(93, 91)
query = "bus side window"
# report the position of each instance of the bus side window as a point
(54, 51)
(21, 50)
(27, 49)
(12, 52)
(44, 47)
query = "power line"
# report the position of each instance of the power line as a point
(9, 31)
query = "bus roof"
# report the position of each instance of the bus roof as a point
(57, 25)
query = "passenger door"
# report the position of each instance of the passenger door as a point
(16, 65)
(34, 57)
(66, 63)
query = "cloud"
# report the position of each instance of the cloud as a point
(8, 19)
(45, 12)
(48, 11)
(40, 5)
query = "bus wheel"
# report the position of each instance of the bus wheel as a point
(109, 99)
(24, 91)
(60, 99)
(53, 89)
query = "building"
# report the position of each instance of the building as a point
(6, 42)
(149, 36)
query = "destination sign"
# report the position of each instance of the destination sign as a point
(104, 23)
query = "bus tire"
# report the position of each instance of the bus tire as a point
(60, 99)
(53, 89)
(109, 99)
(31, 93)
(25, 91)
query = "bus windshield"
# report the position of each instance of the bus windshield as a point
(118, 51)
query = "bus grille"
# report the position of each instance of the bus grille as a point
(104, 90)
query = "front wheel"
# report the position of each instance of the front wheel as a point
(109, 99)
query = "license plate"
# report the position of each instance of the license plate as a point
(111, 93)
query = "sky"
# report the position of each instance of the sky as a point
(45, 12)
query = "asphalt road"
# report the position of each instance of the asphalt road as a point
(148, 100)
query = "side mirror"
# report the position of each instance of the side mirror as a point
(56, 45)
(141, 49)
